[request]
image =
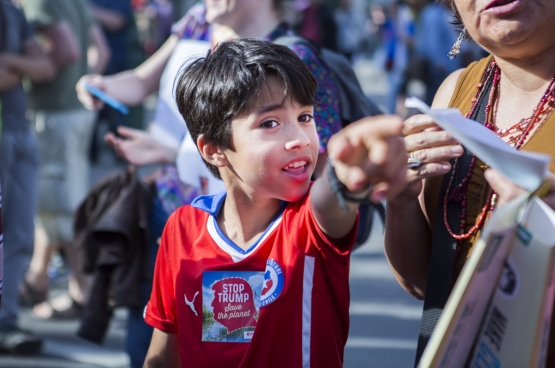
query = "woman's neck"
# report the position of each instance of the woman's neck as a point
(522, 85)
(528, 74)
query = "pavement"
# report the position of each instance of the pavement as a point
(384, 318)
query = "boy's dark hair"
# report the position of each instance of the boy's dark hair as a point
(227, 83)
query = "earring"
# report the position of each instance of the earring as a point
(456, 48)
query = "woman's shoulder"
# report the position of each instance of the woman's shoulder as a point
(457, 83)
(446, 90)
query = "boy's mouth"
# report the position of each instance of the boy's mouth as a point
(296, 167)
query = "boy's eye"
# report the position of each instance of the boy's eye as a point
(305, 118)
(269, 124)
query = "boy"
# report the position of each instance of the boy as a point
(257, 276)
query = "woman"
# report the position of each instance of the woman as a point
(213, 22)
(448, 198)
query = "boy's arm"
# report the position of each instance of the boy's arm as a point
(163, 351)
(369, 152)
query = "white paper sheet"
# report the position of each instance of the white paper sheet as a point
(525, 169)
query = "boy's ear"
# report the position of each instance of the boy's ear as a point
(211, 153)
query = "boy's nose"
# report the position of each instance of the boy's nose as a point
(297, 138)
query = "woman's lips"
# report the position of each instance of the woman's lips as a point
(502, 6)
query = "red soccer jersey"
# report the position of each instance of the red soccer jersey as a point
(282, 303)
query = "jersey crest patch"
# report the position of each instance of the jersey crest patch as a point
(230, 305)
(273, 283)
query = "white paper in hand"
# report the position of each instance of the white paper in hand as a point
(525, 169)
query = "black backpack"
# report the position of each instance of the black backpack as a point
(353, 105)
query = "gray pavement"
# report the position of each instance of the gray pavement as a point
(384, 318)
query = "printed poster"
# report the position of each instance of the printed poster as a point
(230, 305)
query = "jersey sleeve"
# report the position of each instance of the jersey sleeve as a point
(326, 111)
(323, 242)
(161, 311)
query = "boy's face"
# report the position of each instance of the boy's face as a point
(276, 147)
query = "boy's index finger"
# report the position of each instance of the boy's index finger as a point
(362, 135)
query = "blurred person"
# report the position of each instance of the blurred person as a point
(63, 129)
(211, 23)
(115, 17)
(433, 39)
(398, 33)
(512, 92)
(317, 24)
(351, 28)
(21, 56)
(161, 11)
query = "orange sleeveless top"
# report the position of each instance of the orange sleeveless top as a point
(541, 141)
(478, 187)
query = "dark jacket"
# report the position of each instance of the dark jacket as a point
(111, 225)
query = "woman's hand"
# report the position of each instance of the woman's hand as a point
(507, 191)
(432, 146)
(139, 148)
(87, 99)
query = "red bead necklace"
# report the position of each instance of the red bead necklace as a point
(522, 129)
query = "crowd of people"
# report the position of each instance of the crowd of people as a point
(255, 207)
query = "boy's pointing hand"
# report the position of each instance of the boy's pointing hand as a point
(368, 152)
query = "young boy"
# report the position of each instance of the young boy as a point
(257, 276)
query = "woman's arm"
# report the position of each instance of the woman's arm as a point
(408, 235)
(163, 351)
(130, 87)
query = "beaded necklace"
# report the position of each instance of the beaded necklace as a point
(522, 129)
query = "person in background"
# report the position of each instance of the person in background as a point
(318, 25)
(351, 28)
(63, 129)
(21, 56)
(161, 12)
(115, 18)
(398, 33)
(434, 36)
